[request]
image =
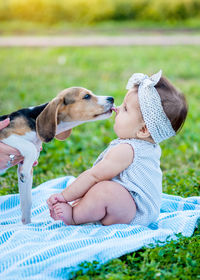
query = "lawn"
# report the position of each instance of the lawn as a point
(30, 77)
(126, 27)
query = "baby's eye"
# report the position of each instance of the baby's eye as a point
(125, 108)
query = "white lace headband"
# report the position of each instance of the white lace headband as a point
(153, 114)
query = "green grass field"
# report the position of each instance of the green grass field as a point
(126, 27)
(31, 76)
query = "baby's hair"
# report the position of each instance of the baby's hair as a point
(173, 102)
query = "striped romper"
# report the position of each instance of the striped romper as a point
(142, 178)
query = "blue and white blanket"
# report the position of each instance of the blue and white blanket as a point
(46, 249)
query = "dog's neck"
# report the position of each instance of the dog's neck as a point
(63, 126)
(35, 111)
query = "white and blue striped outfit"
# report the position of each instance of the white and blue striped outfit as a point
(142, 178)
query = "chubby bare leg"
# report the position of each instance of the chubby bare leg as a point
(107, 201)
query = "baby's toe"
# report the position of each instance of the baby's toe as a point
(49, 205)
(53, 215)
(60, 216)
(58, 210)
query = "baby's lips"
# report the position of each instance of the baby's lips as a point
(114, 109)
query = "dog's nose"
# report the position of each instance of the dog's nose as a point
(110, 99)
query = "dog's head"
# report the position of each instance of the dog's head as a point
(70, 108)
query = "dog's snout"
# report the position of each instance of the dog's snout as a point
(110, 99)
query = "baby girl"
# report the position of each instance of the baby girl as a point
(124, 186)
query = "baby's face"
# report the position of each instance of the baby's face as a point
(128, 120)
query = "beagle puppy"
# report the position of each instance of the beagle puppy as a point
(29, 127)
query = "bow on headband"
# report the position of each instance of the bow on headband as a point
(153, 114)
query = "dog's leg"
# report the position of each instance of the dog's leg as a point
(25, 195)
(25, 180)
(30, 154)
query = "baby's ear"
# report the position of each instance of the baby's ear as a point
(143, 132)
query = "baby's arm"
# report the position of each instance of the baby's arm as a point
(114, 162)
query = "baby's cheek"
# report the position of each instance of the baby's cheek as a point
(116, 127)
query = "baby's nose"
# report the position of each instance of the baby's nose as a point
(117, 109)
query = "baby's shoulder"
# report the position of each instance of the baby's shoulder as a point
(121, 152)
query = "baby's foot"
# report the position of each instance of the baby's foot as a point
(53, 215)
(63, 212)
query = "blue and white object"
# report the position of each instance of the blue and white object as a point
(48, 249)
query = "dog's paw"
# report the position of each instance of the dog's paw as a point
(26, 221)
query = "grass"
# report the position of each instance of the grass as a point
(168, 262)
(32, 76)
(126, 27)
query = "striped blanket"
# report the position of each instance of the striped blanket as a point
(46, 249)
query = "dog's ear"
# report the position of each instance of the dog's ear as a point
(46, 122)
(63, 135)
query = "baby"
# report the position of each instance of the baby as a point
(124, 185)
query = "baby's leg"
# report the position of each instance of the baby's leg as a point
(106, 201)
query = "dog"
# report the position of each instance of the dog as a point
(29, 127)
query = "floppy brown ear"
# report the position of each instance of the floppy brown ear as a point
(46, 122)
(63, 135)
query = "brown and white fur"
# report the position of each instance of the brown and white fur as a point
(30, 127)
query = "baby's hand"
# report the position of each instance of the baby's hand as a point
(55, 198)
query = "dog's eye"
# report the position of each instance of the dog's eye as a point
(87, 96)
